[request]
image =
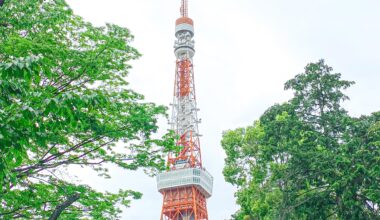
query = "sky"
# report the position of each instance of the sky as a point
(245, 51)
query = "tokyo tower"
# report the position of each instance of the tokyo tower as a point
(186, 185)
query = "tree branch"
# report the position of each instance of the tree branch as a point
(14, 211)
(61, 207)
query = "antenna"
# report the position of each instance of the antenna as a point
(184, 8)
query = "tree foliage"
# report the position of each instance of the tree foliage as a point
(64, 101)
(307, 158)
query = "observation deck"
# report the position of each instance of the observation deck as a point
(197, 177)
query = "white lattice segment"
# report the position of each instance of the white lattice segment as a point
(199, 178)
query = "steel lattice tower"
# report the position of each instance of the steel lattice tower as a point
(187, 185)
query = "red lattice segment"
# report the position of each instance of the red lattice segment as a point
(184, 203)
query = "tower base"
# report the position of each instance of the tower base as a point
(184, 203)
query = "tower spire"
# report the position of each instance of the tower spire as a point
(187, 185)
(184, 8)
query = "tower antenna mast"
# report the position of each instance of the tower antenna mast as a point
(184, 8)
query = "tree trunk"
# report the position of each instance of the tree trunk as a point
(61, 207)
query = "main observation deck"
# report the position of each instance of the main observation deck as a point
(197, 177)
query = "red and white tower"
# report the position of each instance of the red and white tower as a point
(187, 185)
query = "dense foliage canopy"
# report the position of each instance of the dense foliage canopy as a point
(64, 102)
(307, 158)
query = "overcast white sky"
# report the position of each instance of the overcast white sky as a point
(246, 50)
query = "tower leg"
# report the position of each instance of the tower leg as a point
(186, 203)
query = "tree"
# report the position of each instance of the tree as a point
(307, 158)
(65, 102)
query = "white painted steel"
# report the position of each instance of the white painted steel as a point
(184, 45)
(197, 177)
(184, 28)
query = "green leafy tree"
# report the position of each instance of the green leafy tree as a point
(64, 101)
(307, 158)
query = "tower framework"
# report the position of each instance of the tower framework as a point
(187, 185)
